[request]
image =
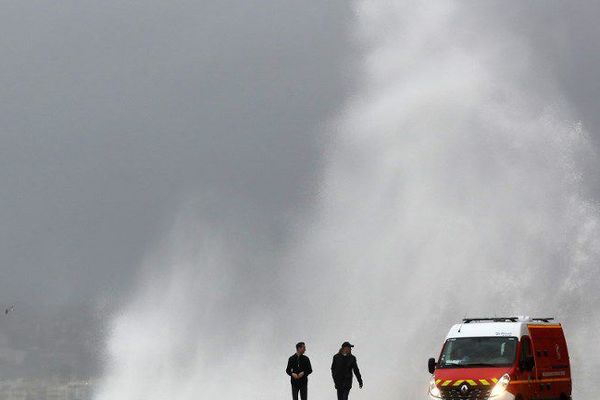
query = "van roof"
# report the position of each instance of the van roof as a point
(506, 326)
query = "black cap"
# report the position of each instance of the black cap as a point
(347, 344)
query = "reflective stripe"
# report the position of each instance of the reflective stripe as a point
(484, 382)
(554, 380)
(534, 381)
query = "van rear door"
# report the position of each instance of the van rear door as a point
(552, 367)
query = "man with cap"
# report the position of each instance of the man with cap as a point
(298, 368)
(344, 363)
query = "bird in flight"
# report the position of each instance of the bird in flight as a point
(9, 310)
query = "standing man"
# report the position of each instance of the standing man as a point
(344, 363)
(299, 369)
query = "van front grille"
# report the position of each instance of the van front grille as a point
(474, 393)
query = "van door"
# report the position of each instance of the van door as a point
(552, 361)
(525, 376)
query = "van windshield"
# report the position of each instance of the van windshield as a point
(478, 352)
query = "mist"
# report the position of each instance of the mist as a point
(190, 188)
(453, 184)
(114, 115)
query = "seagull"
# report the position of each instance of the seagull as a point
(9, 310)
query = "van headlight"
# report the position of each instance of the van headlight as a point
(501, 386)
(434, 391)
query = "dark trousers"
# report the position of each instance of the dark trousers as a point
(343, 394)
(303, 391)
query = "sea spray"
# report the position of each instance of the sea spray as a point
(452, 186)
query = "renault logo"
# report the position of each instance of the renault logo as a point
(464, 389)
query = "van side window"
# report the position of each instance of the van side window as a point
(525, 348)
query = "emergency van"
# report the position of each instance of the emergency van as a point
(513, 358)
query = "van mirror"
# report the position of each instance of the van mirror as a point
(527, 364)
(530, 363)
(431, 365)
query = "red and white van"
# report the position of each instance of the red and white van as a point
(513, 358)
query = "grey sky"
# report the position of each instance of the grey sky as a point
(114, 113)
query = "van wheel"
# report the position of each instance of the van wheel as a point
(565, 397)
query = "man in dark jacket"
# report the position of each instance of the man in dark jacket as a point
(344, 363)
(299, 368)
